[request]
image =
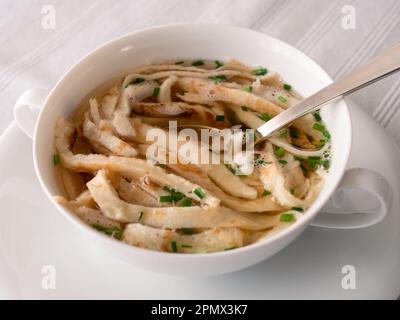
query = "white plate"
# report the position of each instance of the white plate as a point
(34, 234)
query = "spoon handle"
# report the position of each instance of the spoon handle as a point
(376, 69)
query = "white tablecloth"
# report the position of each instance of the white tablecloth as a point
(33, 56)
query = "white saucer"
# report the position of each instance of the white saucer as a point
(34, 234)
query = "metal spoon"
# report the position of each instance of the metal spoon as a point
(376, 69)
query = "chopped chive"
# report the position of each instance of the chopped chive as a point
(260, 162)
(156, 92)
(279, 152)
(299, 209)
(282, 99)
(166, 199)
(180, 62)
(135, 81)
(245, 109)
(177, 196)
(293, 133)
(317, 116)
(198, 63)
(186, 246)
(260, 71)
(168, 189)
(266, 193)
(174, 247)
(248, 88)
(326, 164)
(314, 158)
(56, 159)
(220, 117)
(185, 202)
(265, 117)
(231, 248)
(218, 78)
(161, 165)
(140, 216)
(198, 192)
(326, 134)
(319, 127)
(218, 63)
(287, 87)
(283, 133)
(292, 191)
(286, 217)
(187, 231)
(283, 162)
(114, 231)
(303, 168)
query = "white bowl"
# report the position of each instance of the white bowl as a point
(190, 41)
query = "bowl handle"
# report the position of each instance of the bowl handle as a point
(343, 211)
(27, 108)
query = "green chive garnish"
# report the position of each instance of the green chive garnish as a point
(319, 127)
(140, 216)
(220, 117)
(218, 63)
(326, 164)
(265, 117)
(266, 193)
(231, 248)
(177, 196)
(187, 231)
(279, 152)
(198, 192)
(186, 246)
(135, 81)
(299, 209)
(260, 71)
(286, 217)
(260, 162)
(156, 92)
(248, 88)
(185, 202)
(218, 78)
(180, 62)
(283, 133)
(326, 134)
(245, 109)
(317, 116)
(282, 99)
(287, 87)
(56, 159)
(198, 63)
(114, 231)
(282, 162)
(174, 247)
(166, 199)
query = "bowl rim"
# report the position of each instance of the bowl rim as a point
(303, 223)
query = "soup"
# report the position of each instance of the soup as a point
(135, 165)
